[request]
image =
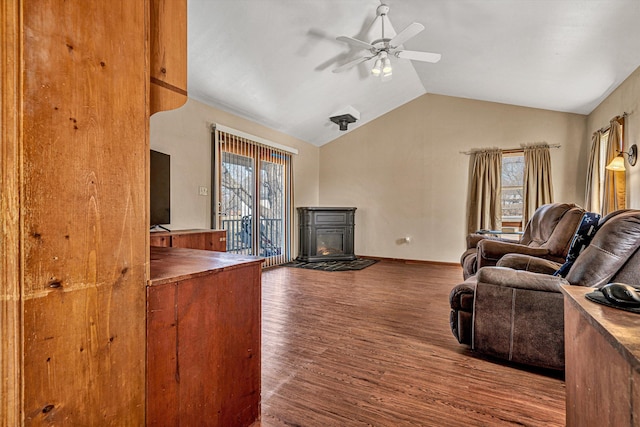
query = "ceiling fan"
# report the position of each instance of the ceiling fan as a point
(386, 43)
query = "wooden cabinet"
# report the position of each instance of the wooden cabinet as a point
(168, 56)
(203, 338)
(602, 363)
(160, 240)
(210, 240)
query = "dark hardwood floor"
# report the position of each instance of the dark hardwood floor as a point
(374, 348)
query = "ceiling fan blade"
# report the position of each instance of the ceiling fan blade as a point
(351, 64)
(355, 42)
(406, 34)
(418, 56)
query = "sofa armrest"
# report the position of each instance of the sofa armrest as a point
(490, 251)
(528, 263)
(519, 316)
(474, 238)
(526, 280)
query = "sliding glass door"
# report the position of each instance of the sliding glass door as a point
(252, 198)
(235, 208)
(271, 209)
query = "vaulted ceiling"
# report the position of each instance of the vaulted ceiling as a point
(271, 61)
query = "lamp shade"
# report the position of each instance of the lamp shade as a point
(386, 67)
(617, 164)
(377, 68)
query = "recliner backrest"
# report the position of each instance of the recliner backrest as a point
(613, 255)
(553, 226)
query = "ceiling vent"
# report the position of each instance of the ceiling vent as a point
(345, 116)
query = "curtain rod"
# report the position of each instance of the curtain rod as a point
(512, 150)
(606, 128)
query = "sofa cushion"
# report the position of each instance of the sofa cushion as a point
(528, 263)
(581, 239)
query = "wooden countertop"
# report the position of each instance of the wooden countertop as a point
(620, 328)
(175, 264)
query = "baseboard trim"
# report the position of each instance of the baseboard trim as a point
(411, 261)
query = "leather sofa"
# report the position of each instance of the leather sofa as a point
(547, 235)
(518, 315)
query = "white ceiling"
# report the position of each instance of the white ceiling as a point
(270, 61)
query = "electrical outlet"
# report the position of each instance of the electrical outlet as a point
(203, 191)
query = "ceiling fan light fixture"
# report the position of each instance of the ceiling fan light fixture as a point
(386, 67)
(382, 41)
(377, 68)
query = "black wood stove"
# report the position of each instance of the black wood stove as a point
(326, 234)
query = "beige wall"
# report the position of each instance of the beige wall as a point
(185, 134)
(626, 98)
(405, 173)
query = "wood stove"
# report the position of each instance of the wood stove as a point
(326, 234)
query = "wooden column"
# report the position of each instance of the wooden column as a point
(10, 273)
(84, 213)
(74, 252)
(74, 217)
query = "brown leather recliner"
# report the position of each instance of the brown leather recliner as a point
(518, 315)
(547, 235)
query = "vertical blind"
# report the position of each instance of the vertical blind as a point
(253, 198)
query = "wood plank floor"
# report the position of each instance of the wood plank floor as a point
(374, 348)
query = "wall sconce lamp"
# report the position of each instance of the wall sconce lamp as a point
(617, 164)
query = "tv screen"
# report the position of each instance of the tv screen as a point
(160, 183)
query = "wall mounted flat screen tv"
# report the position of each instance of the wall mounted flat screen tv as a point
(160, 183)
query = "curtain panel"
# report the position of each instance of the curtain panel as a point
(593, 197)
(614, 195)
(484, 204)
(537, 183)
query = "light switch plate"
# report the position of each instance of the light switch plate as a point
(203, 191)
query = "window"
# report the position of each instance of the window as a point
(512, 189)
